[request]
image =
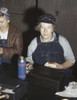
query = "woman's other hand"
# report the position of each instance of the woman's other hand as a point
(1, 50)
(29, 66)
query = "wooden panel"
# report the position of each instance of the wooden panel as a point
(30, 3)
(14, 6)
(17, 8)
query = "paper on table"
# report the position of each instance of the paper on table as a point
(70, 90)
(8, 91)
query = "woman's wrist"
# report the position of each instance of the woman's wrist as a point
(59, 66)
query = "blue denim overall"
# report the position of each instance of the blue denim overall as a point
(50, 52)
(3, 43)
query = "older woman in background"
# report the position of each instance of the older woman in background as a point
(11, 42)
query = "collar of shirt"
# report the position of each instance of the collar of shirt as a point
(3, 35)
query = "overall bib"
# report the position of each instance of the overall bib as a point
(3, 43)
(48, 52)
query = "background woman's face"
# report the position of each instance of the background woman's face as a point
(46, 30)
(3, 21)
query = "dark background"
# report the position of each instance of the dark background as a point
(24, 14)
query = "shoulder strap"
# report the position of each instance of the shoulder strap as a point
(38, 40)
(57, 37)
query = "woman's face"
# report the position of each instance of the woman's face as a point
(46, 30)
(3, 21)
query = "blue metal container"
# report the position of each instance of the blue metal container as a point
(21, 68)
(0, 60)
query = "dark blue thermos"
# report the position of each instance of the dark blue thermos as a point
(0, 59)
(21, 68)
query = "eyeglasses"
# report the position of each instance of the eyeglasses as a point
(1, 14)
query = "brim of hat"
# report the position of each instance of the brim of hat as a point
(46, 21)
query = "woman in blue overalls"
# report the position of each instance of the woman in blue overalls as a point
(50, 47)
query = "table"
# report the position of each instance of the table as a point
(38, 89)
(17, 88)
(34, 91)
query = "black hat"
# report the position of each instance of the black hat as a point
(47, 18)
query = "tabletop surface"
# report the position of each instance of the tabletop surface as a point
(35, 91)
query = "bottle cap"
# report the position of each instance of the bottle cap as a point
(21, 58)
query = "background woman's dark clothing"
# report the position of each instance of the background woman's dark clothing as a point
(14, 43)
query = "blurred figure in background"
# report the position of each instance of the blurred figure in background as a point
(11, 42)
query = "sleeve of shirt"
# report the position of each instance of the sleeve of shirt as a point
(68, 53)
(31, 48)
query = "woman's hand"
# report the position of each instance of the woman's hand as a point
(54, 65)
(59, 66)
(50, 65)
(29, 66)
(1, 50)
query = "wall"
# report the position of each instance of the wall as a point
(17, 9)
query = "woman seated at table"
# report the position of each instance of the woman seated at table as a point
(50, 49)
